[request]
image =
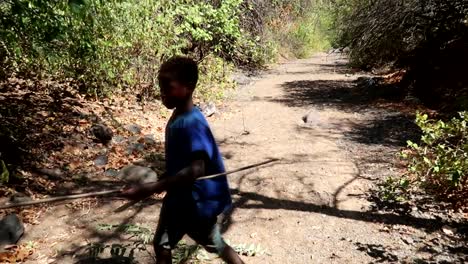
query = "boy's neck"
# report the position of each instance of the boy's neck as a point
(184, 108)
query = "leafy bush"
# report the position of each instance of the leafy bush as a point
(309, 34)
(394, 190)
(108, 46)
(216, 79)
(428, 39)
(381, 32)
(297, 28)
(440, 162)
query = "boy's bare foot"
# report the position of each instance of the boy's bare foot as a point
(230, 256)
(163, 255)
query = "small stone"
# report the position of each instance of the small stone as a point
(111, 172)
(19, 198)
(118, 139)
(134, 128)
(135, 147)
(385, 229)
(137, 174)
(133, 139)
(407, 240)
(11, 230)
(101, 160)
(149, 139)
(68, 185)
(448, 230)
(209, 109)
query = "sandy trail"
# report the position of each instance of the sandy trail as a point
(308, 208)
(305, 209)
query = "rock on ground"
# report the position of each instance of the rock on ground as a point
(137, 174)
(11, 230)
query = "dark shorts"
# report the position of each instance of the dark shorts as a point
(171, 228)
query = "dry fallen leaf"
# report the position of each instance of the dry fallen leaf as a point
(16, 254)
(448, 230)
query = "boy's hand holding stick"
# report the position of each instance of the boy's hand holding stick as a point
(136, 192)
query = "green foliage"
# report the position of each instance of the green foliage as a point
(182, 253)
(119, 253)
(216, 79)
(394, 190)
(385, 32)
(309, 34)
(300, 27)
(440, 162)
(249, 250)
(185, 253)
(143, 234)
(4, 173)
(109, 46)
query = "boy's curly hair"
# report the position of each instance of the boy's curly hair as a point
(181, 69)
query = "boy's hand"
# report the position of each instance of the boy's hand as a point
(134, 193)
(140, 192)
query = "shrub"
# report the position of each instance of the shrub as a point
(298, 27)
(109, 46)
(381, 32)
(216, 79)
(440, 162)
(309, 34)
(428, 39)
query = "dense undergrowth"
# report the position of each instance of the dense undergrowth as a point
(106, 47)
(437, 163)
(291, 28)
(112, 46)
(428, 39)
(428, 42)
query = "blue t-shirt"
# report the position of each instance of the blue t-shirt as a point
(185, 135)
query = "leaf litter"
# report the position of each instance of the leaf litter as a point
(52, 151)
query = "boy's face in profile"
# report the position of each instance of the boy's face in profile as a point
(174, 94)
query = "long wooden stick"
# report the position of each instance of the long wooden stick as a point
(238, 170)
(109, 192)
(60, 198)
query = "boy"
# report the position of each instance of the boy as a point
(190, 207)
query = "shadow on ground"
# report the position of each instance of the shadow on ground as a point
(323, 68)
(383, 126)
(345, 95)
(377, 252)
(47, 143)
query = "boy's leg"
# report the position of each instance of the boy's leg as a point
(230, 256)
(168, 233)
(163, 255)
(209, 236)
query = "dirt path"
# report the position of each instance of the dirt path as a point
(311, 207)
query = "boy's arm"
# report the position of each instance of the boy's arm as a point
(201, 150)
(186, 176)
